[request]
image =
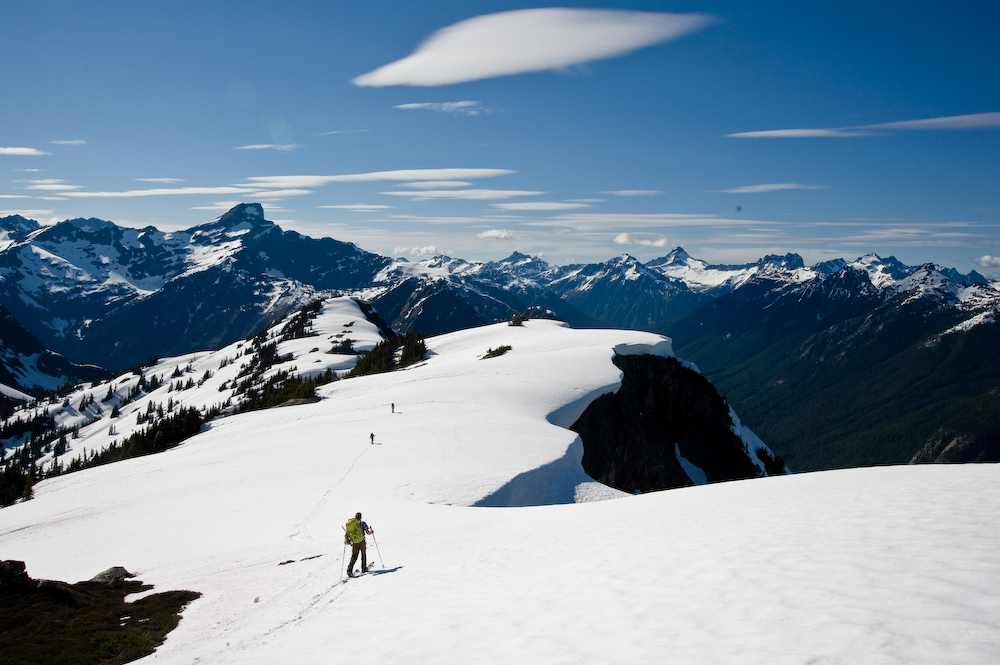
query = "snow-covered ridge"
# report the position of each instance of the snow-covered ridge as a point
(895, 565)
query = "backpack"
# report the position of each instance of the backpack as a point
(354, 531)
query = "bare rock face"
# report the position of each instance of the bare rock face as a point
(633, 439)
(979, 442)
(112, 575)
(13, 575)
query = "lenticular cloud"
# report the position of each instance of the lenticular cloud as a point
(529, 40)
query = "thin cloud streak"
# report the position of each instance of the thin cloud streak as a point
(540, 205)
(463, 194)
(530, 40)
(21, 151)
(634, 192)
(943, 124)
(301, 181)
(165, 181)
(358, 206)
(282, 147)
(599, 221)
(467, 107)
(74, 142)
(775, 187)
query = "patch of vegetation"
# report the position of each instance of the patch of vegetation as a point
(497, 352)
(518, 320)
(283, 388)
(85, 623)
(382, 358)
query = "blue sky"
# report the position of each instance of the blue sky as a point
(478, 128)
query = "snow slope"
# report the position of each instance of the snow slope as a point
(879, 565)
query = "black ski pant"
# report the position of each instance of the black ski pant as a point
(355, 549)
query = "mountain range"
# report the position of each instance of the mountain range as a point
(896, 363)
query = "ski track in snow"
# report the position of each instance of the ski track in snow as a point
(891, 565)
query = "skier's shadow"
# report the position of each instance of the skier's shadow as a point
(384, 571)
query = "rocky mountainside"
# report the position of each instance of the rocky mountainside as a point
(113, 296)
(874, 363)
(28, 368)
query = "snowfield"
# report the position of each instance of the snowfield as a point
(877, 565)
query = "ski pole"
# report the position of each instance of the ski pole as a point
(343, 555)
(377, 550)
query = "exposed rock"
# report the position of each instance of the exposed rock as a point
(979, 443)
(112, 575)
(635, 439)
(298, 401)
(13, 574)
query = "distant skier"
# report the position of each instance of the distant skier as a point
(356, 530)
(373, 438)
(394, 407)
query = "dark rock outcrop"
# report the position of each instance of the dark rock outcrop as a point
(633, 439)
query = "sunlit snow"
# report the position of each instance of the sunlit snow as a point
(878, 565)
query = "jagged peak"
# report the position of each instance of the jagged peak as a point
(790, 261)
(676, 257)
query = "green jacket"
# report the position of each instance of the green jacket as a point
(354, 531)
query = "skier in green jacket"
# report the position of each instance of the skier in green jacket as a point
(356, 530)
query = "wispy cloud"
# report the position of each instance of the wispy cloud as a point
(51, 185)
(172, 191)
(26, 213)
(590, 221)
(467, 107)
(989, 261)
(634, 192)
(295, 181)
(362, 207)
(429, 250)
(21, 151)
(74, 142)
(629, 239)
(165, 181)
(436, 184)
(14, 196)
(530, 40)
(463, 194)
(774, 187)
(540, 205)
(497, 234)
(282, 147)
(943, 124)
(343, 131)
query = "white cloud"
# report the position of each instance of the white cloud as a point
(436, 184)
(530, 40)
(497, 234)
(166, 181)
(463, 194)
(989, 261)
(75, 142)
(429, 250)
(14, 196)
(589, 221)
(27, 170)
(942, 124)
(282, 147)
(467, 107)
(343, 131)
(281, 193)
(540, 205)
(629, 239)
(294, 181)
(358, 206)
(634, 192)
(51, 184)
(775, 187)
(165, 192)
(26, 213)
(21, 151)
